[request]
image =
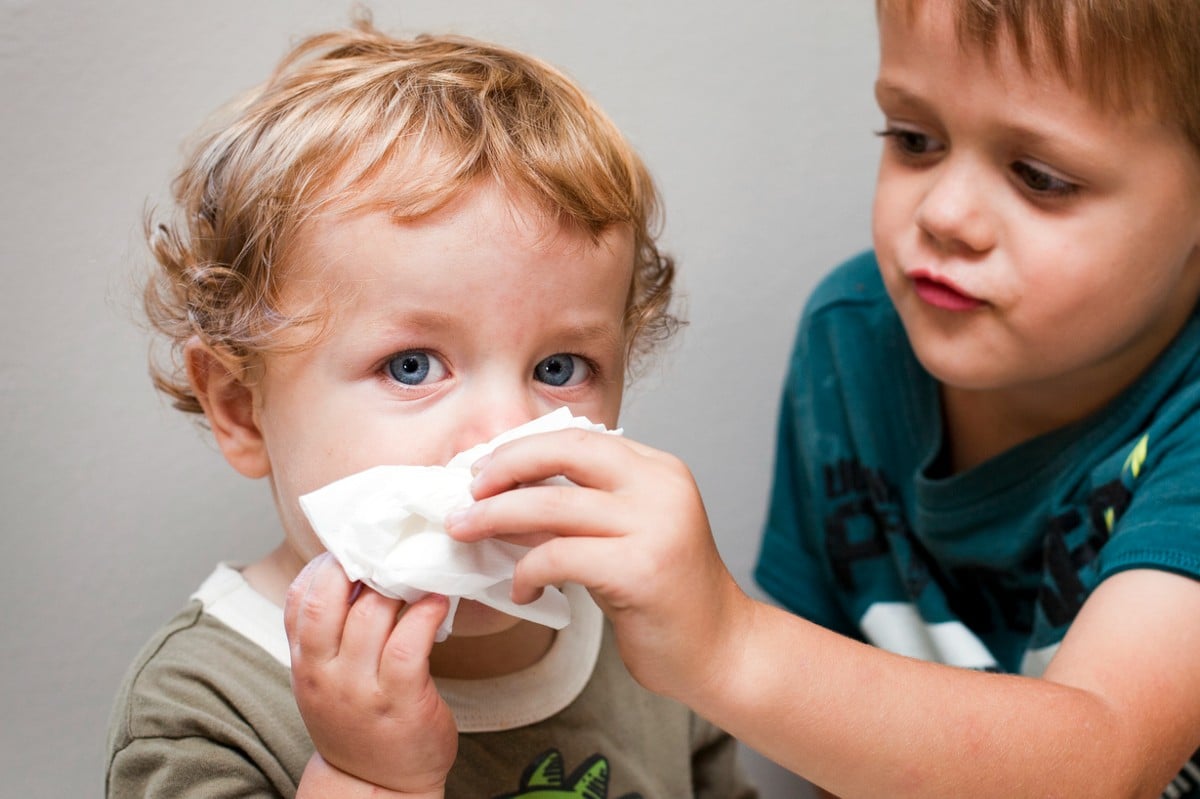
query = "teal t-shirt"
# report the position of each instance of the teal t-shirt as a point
(987, 568)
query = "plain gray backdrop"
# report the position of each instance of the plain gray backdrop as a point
(755, 117)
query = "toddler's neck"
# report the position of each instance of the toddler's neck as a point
(488, 656)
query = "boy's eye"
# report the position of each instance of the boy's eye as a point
(561, 369)
(910, 142)
(1041, 182)
(415, 367)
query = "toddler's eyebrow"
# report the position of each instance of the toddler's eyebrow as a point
(420, 319)
(569, 333)
(608, 335)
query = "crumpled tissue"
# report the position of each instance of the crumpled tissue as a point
(385, 527)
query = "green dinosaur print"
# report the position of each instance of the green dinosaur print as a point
(546, 778)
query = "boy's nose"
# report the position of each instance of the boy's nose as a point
(955, 210)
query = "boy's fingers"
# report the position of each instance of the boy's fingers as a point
(321, 603)
(369, 622)
(525, 539)
(405, 655)
(578, 560)
(584, 457)
(536, 513)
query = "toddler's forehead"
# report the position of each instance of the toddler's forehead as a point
(334, 255)
(493, 209)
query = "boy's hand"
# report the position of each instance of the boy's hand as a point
(361, 679)
(633, 530)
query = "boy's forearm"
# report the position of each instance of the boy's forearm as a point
(862, 722)
(321, 781)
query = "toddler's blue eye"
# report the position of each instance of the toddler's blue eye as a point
(560, 370)
(412, 368)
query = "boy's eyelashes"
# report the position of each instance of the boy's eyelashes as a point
(420, 367)
(909, 142)
(1041, 182)
(1035, 179)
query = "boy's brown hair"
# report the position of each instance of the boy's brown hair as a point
(1126, 54)
(435, 115)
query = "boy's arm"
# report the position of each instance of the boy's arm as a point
(1117, 713)
(360, 674)
(1115, 716)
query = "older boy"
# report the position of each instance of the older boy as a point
(390, 252)
(989, 452)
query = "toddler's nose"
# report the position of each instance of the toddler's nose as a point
(487, 418)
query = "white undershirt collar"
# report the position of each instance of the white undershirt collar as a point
(501, 703)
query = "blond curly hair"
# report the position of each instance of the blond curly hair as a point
(342, 109)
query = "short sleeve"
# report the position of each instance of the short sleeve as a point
(184, 768)
(1160, 482)
(788, 568)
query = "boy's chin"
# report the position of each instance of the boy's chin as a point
(474, 620)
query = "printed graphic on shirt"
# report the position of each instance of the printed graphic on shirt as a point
(546, 778)
(937, 613)
(873, 550)
(1187, 783)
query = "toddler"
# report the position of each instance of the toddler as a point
(390, 252)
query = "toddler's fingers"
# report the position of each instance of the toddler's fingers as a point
(369, 622)
(295, 595)
(405, 656)
(320, 602)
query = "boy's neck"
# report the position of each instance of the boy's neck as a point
(979, 425)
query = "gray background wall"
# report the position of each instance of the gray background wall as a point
(755, 116)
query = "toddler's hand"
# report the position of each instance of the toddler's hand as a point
(361, 679)
(633, 529)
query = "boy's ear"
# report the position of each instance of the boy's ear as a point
(229, 406)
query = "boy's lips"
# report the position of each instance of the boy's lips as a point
(942, 293)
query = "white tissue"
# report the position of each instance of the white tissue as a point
(385, 526)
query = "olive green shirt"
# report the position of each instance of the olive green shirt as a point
(206, 710)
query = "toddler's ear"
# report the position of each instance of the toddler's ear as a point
(229, 406)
